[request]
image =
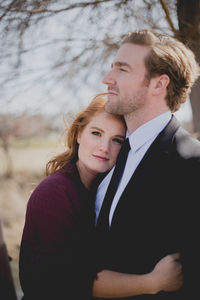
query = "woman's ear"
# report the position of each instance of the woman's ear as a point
(161, 84)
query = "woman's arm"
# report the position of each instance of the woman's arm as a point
(166, 276)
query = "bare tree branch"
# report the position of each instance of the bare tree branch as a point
(167, 14)
(7, 9)
(52, 48)
(70, 7)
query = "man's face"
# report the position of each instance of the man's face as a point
(127, 82)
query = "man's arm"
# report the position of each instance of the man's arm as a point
(166, 276)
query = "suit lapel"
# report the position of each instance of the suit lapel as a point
(154, 159)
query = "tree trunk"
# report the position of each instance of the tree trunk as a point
(188, 13)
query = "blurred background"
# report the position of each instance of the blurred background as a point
(53, 55)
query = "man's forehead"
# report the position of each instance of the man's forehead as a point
(130, 49)
(131, 53)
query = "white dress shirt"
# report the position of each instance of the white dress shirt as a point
(140, 140)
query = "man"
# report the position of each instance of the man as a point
(154, 210)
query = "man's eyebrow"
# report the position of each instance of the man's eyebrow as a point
(121, 64)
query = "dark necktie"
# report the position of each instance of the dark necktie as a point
(103, 219)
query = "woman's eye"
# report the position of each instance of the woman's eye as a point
(96, 133)
(118, 141)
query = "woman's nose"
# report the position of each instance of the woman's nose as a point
(104, 146)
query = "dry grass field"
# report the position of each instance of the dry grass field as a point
(28, 169)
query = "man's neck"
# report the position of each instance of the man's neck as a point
(134, 121)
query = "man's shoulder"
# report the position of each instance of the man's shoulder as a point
(186, 144)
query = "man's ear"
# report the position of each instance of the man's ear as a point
(161, 84)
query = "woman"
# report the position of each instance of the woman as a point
(56, 254)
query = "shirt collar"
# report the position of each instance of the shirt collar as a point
(148, 130)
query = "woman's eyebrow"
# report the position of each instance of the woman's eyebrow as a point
(96, 128)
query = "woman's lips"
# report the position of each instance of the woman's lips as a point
(100, 157)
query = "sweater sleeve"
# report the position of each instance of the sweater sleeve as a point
(56, 247)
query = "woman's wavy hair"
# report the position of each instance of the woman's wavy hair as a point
(71, 133)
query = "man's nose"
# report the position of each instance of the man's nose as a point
(108, 78)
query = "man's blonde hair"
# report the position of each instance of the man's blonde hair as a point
(171, 57)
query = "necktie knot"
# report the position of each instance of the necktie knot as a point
(126, 144)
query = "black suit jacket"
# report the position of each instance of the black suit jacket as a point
(157, 213)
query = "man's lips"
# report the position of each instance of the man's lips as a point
(100, 157)
(112, 91)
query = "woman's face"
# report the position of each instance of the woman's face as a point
(99, 144)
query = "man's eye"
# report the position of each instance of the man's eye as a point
(96, 133)
(118, 141)
(123, 70)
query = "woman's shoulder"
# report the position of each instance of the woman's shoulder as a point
(64, 176)
(57, 186)
(55, 199)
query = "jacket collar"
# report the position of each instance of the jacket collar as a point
(166, 137)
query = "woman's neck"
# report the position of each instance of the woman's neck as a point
(86, 176)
